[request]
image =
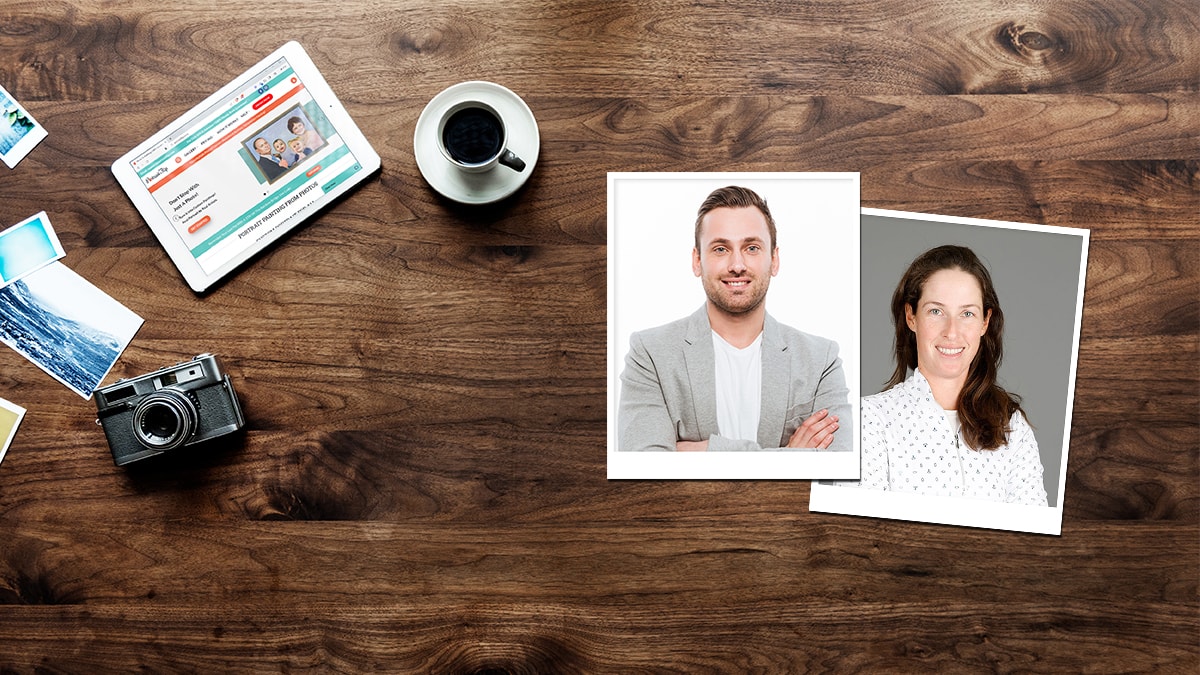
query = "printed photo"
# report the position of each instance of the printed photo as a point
(283, 144)
(19, 132)
(970, 339)
(10, 418)
(27, 247)
(66, 326)
(732, 349)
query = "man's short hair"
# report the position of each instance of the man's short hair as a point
(734, 197)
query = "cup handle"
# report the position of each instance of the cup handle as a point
(510, 159)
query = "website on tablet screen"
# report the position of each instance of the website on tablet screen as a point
(246, 166)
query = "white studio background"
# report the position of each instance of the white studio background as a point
(651, 233)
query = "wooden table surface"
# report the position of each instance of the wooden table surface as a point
(422, 484)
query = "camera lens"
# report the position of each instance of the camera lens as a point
(164, 420)
(161, 422)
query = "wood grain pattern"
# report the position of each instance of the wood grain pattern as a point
(480, 637)
(772, 561)
(393, 597)
(1126, 473)
(90, 49)
(421, 487)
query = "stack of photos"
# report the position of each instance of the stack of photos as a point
(943, 349)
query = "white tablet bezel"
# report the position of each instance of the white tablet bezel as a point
(323, 96)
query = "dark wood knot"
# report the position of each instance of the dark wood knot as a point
(503, 257)
(32, 588)
(506, 654)
(1024, 41)
(1034, 40)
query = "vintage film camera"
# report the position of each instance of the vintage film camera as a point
(176, 406)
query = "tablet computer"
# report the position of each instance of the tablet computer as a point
(245, 166)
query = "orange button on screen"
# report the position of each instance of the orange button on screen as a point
(199, 224)
(312, 171)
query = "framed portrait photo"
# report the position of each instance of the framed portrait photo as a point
(670, 267)
(970, 343)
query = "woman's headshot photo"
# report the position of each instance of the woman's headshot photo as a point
(970, 337)
(943, 426)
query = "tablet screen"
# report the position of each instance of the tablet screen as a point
(246, 166)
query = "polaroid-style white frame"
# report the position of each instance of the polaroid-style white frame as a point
(69, 297)
(12, 248)
(198, 279)
(957, 510)
(27, 142)
(6, 440)
(651, 228)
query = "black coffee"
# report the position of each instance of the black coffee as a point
(472, 136)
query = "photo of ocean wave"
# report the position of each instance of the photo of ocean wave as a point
(66, 326)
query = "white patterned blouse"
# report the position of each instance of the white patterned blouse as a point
(908, 445)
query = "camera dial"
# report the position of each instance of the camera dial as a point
(165, 419)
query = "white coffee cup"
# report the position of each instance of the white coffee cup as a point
(473, 137)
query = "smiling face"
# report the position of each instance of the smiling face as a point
(297, 146)
(296, 127)
(735, 262)
(280, 146)
(262, 147)
(948, 321)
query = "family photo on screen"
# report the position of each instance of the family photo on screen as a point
(283, 144)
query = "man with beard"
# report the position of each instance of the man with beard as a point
(730, 377)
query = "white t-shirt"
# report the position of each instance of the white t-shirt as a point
(739, 388)
(952, 418)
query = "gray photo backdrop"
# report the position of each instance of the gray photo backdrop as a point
(1037, 280)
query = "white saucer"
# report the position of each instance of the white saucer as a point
(489, 186)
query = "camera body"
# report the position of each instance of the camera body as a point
(173, 407)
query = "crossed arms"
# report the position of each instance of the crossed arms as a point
(659, 411)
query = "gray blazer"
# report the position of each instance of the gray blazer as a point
(668, 388)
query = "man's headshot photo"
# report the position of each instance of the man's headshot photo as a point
(733, 326)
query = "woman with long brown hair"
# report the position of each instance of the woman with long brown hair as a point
(948, 428)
